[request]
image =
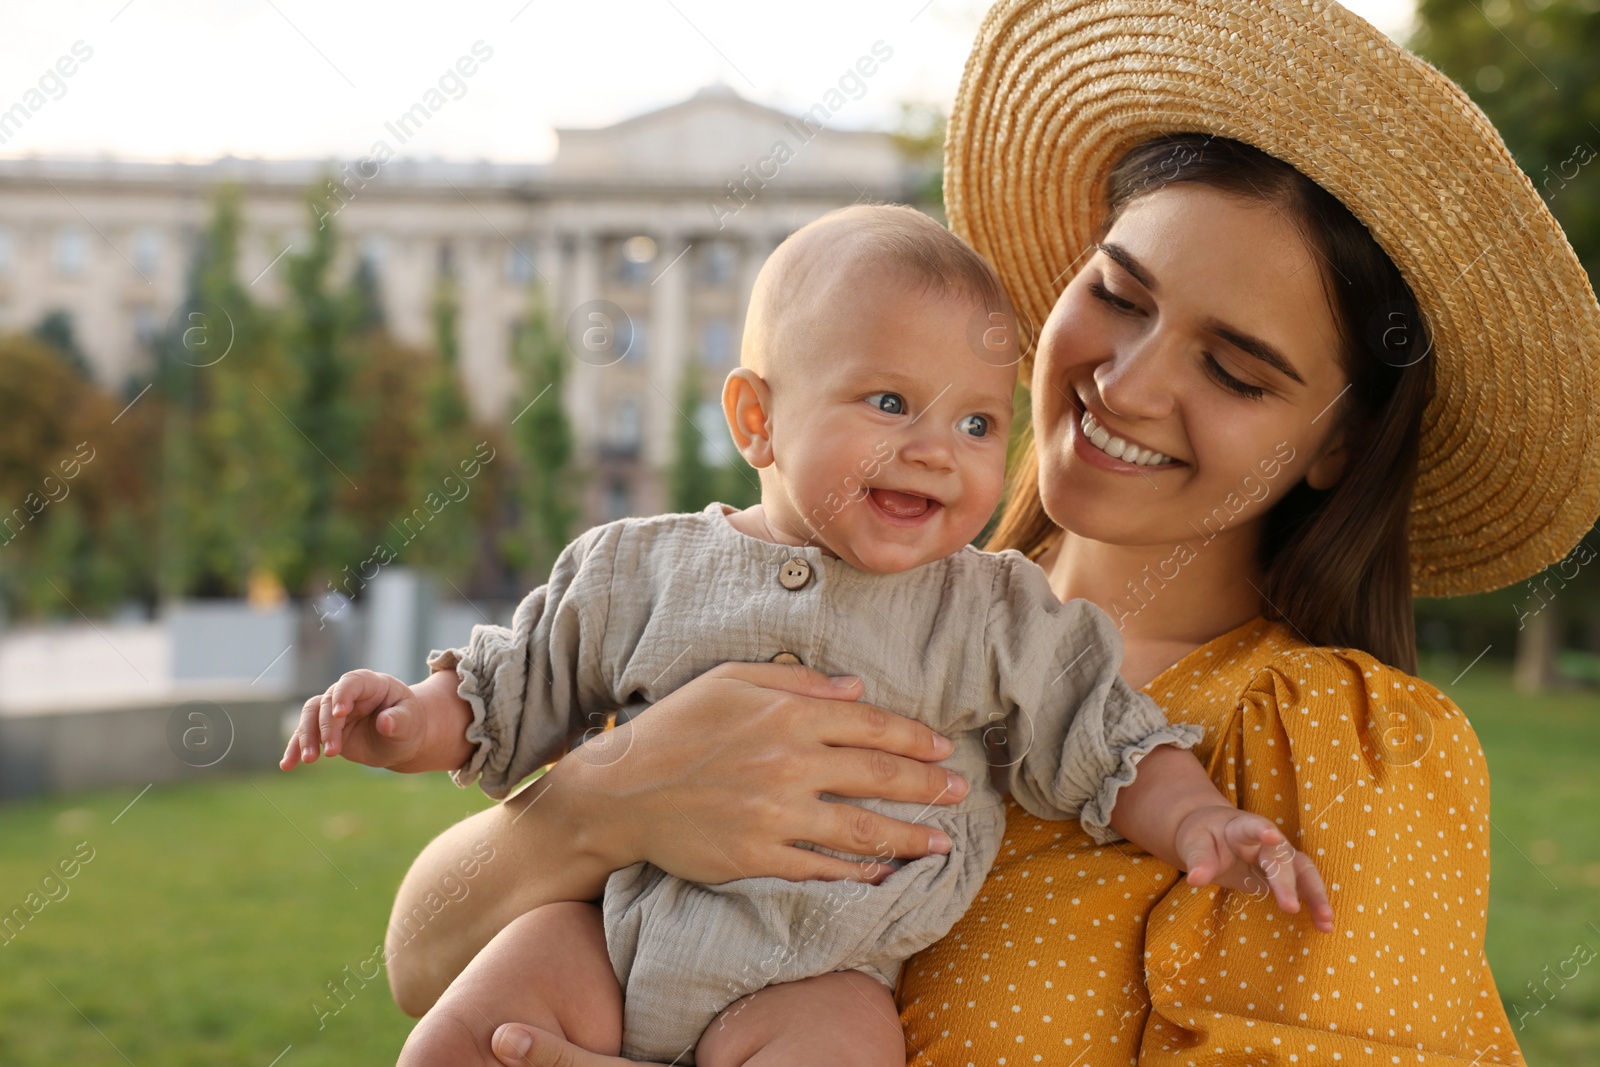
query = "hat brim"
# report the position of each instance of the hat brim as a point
(1055, 92)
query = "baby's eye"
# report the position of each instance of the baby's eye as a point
(976, 425)
(890, 403)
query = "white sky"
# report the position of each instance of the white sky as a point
(196, 79)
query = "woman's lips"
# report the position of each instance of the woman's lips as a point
(1086, 450)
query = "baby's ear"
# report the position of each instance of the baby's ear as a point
(746, 400)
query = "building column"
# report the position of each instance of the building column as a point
(668, 355)
(754, 250)
(578, 282)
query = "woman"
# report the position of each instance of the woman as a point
(1371, 369)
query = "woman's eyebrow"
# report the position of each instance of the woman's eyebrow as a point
(1254, 346)
(1124, 259)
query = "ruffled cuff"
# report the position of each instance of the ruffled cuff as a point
(1096, 814)
(477, 730)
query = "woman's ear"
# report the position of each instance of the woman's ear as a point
(1326, 470)
(745, 404)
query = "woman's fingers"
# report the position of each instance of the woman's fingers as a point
(852, 828)
(859, 725)
(516, 1045)
(858, 772)
(848, 723)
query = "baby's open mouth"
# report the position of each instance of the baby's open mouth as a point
(901, 505)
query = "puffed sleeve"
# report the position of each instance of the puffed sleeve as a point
(537, 687)
(1379, 779)
(1074, 730)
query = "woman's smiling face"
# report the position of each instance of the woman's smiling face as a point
(1200, 332)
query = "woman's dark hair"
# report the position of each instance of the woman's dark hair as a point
(1336, 562)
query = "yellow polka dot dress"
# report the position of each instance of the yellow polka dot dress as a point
(1077, 954)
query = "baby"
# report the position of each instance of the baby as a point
(874, 398)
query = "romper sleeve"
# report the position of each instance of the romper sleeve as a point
(536, 687)
(1378, 777)
(1075, 731)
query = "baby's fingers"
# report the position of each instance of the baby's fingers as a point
(1255, 840)
(1202, 859)
(1314, 892)
(332, 727)
(303, 742)
(362, 689)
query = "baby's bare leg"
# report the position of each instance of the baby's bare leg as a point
(549, 969)
(846, 1018)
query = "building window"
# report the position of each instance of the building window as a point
(145, 325)
(5, 251)
(374, 249)
(617, 504)
(718, 263)
(637, 257)
(72, 251)
(519, 262)
(447, 260)
(146, 251)
(632, 339)
(624, 429)
(716, 441)
(716, 343)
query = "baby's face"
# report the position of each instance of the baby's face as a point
(889, 426)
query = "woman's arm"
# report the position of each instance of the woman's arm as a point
(715, 782)
(1380, 777)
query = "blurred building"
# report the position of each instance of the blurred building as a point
(646, 234)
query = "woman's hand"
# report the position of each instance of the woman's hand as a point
(719, 779)
(716, 781)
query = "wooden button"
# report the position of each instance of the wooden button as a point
(794, 573)
(786, 657)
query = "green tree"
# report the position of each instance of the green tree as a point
(445, 539)
(545, 488)
(56, 330)
(74, 488)
(691, 481)
(1530, 64)
(233, 495)
(319, 321)
(919, 134)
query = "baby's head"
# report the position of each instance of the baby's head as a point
(874, 392)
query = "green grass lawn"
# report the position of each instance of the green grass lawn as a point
(1545, 881)
(211, 917)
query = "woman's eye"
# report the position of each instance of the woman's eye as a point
(976, 425)
(1229, 382)
(1105, 295)
(889, 403)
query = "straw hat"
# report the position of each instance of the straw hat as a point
(1056, 91)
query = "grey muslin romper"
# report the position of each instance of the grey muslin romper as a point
(971, 644)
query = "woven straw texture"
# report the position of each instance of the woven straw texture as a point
(1055, 92)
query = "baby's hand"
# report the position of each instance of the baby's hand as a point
(1235, 849)
(365, 716)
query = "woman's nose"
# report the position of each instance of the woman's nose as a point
(1140, 378)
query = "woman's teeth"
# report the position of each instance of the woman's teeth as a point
(1117, 448)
